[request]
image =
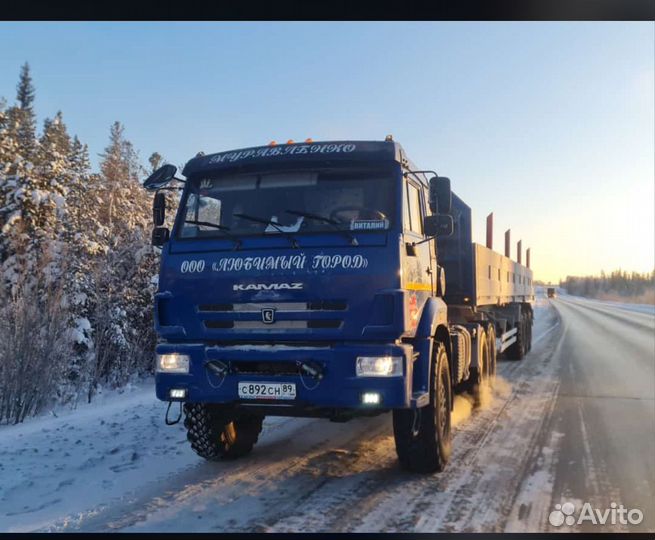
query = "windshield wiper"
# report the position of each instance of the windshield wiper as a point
(222, 228)
(294, 242)
(334, 224)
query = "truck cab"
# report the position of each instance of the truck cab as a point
(302, 280)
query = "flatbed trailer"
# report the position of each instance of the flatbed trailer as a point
(482, 284)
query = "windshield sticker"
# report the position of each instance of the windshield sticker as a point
(229, 157)
(369, 224)
(290, 262)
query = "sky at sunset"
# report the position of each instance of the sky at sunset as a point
(549, 125)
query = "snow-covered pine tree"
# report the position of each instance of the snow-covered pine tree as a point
(54, 176)
(8, 150)
(32, 336)
(84, 248)
(8, 146)
(79, 157)
(23, 118)
(23, 195)
(123, 320)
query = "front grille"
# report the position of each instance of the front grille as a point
(260, 325)
(265, 368)
(215, 307)
(219, 324)
(323, 323)
(248, 315)
(328, 305)
(256, 307)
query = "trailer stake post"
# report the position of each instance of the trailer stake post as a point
(490, 231)
(518, 251)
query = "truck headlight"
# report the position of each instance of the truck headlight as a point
(379, 366)
(173, 363)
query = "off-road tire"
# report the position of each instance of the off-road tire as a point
(423, 436)
(218, 433)
(493, 354)
(479, 375)
(526, 333)
(516, 350)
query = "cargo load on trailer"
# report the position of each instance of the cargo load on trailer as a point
(327, 279)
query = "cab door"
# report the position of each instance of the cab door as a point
(417, 258)
(432, 269)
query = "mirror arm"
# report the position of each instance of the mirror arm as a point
(419, 172)
(425, 240)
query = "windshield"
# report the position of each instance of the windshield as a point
(293, 202)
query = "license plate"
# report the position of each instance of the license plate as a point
(257, 390)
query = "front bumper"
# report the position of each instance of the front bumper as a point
(338, 387)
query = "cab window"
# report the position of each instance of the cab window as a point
(414, 214)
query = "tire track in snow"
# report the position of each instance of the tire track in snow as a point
(313, 475)
(446, 500)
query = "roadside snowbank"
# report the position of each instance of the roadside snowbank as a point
(52, 466)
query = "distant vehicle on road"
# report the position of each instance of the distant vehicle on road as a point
(551, 292)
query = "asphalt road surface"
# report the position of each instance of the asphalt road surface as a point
(605, 409)
(572, 423)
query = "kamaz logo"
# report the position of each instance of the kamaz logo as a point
(268, 287)
(268, 315)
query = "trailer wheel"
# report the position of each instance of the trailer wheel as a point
(491, 346)
(516, 350)
(479, 376)
(218, 433)
(529, 327)
(423, 436)
(526, 332)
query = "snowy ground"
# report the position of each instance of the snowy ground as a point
(116, 466)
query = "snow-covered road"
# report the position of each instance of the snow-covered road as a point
(116, 466)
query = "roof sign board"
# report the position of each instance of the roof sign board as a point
(297, 152)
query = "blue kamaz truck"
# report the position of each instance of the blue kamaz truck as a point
(326, 279)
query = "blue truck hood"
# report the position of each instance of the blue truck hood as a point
(277, 295)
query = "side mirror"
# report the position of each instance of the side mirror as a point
(439, 225)
(440, 194)
(160, 177)
(159, 209)
(160, 236)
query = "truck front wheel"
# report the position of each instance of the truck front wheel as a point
(423, 436)
(218, 433)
